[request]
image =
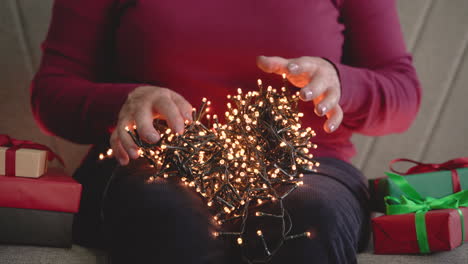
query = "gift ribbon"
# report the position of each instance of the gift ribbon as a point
(451, 165)
(413, 202)
(14, 144)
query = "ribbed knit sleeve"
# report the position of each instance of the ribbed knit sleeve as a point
(381, 93)
(69, 95)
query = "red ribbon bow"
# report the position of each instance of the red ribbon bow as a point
(451, 165)
(15, 144)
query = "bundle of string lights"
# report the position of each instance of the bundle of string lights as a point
(258, 156)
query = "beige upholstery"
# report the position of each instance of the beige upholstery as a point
(436, 32)
(23, 25)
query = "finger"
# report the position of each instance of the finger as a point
(118, 150)
(272, 64)
(301, 71)
(185, 108)
(168, 110)
(329, 101)
(315, 88)
(335, 117)
(298, 71)
(144, 123)
(127, 142)
(302, 64)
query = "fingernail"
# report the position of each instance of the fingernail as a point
(188, 116)
(331, 127)
(306, 95)
(134, 154)
(293, 68)
(122, 161)
(180, 130)
(153, 138)
(323, 110)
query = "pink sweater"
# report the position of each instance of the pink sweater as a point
(96, 52)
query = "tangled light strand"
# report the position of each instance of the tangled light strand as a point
(258, 156)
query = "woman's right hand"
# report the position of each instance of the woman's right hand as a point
(144, 104)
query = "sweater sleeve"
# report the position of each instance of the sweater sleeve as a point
(381, 93)
(71, 96)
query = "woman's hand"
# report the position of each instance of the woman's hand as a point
(318, 80)
(143, 105)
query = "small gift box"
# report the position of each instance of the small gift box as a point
(433, 180)
(30, 163)
(414, 224)
(23, 158)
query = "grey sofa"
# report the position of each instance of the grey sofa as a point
(80, 255)
(436, 32)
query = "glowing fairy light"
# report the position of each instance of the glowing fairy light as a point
(235, 165)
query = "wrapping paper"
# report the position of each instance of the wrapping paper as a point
(396, 234)
(35, 227)
(54, 191)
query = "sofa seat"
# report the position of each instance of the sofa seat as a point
(80, 255)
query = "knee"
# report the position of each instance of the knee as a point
(318, 215)
(317, 212)
(330, 219)
(156, 222)
(159, 201)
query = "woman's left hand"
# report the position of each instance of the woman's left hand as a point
(318, 80)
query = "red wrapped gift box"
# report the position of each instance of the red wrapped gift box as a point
(396, 234)
(54, 191)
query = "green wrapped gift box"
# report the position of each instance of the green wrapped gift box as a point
(433, 184)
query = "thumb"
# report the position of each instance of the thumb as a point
(272, 64)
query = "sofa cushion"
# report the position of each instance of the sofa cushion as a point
(457, 256)
(80, 255)
(47, 255)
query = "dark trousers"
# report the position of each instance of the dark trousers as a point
(166, 222)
